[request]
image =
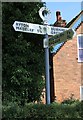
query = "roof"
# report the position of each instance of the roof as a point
(70, 25)
(78, 26)
(72, 22)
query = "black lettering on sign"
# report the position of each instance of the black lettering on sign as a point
(19, 24)
(32, 30)
(25, 25)
(17, 28)
(56, 29)
(20, 28)
(16, 24)
(24, 29)
(53, 31)
(39, 30)
(62, 30)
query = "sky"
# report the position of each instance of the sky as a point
(68, 10)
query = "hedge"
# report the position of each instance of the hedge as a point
(54, 111)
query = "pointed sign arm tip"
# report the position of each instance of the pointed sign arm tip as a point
(14, 26)
(74, 33)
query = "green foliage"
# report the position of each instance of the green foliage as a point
(23, 54)
(70, 101)
(54, 111)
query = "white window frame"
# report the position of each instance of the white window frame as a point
(79, 60)
(81, 93)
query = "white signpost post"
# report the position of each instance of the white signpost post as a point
(59, 34)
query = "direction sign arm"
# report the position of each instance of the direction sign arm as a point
(62, 37)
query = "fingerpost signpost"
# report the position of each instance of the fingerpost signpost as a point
(59, 34)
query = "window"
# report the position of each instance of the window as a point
(81, 93)
(80, 47)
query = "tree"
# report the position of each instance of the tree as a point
(23, 54)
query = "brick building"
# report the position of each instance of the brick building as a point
(67, 71)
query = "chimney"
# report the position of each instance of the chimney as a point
(59, 21)
(58, 16)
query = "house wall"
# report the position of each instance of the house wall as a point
(67, 71)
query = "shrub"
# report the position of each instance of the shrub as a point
(54, 111)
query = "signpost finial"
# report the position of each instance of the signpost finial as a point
(45, 14)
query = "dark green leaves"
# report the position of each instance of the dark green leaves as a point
(23, 54)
